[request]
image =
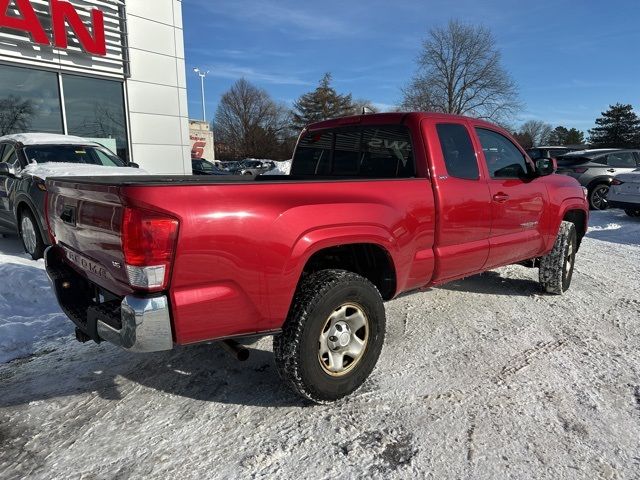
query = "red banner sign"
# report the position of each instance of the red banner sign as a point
(62, 14)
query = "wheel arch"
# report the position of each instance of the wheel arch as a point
(22, 203)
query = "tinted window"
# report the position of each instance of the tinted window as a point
(95, 110)
(457, 151)
(387, 153)
(504, 159)
(556, 153)
(535, 153)
(29, 101)
(313, 154)
(621, 160)
(9, 156)
(72, 154)
(346, 156)
(370, 152)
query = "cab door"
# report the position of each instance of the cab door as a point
(518, 201)
(462, 199)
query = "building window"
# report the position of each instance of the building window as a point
(95, 109)
(29, 101)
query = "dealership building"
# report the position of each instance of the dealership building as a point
(109, 70)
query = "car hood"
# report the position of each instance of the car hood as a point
(45, 170)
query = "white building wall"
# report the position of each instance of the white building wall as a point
(157, 90)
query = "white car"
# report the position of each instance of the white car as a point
(625, 193)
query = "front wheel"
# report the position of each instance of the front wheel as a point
(556, 268)
(332, 337)
(30, 235)
(632, 212)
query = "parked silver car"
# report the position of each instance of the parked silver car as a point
(625, 193)
(595, 170)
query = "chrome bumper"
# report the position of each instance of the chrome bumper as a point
(145, 322)
(146, 326)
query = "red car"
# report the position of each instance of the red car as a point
(375, 205)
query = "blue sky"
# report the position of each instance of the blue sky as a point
(570, 59)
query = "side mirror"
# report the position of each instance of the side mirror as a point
(7, 170)
(546, 166)
(133, 165)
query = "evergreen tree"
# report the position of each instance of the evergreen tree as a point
(619, 127)
(559, 136)
(574, 137)
(563, 136)
(322, 104)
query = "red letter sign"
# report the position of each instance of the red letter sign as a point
(63, 12)
(27, 22)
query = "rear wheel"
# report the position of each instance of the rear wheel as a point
(556, 268)
(30, 235)
(333, 336)
(632, 212)
(598, 197)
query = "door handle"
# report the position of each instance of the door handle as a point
(500, 197)
(612, 170)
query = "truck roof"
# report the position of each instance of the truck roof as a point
(388, 118)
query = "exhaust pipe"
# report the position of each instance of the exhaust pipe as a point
(235, 350)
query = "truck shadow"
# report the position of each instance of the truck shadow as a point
(492, 283)
(204, 373)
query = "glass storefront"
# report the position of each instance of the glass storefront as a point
(94, 108)
(29, 101)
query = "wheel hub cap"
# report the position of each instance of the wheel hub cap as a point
(343, 339)
(28, 234)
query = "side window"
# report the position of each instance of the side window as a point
(621, 160)
(504, 159)
(313, 154)
(9, 156)
(555, 153)
(457, 151)
(387, 153)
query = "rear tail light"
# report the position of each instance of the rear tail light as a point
(616, 182)
(148, 242)
(579, 169)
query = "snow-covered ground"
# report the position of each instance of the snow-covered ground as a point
(481, 378)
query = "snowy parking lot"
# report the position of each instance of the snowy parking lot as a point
(481, 378)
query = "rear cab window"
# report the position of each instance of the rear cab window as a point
(359, 151)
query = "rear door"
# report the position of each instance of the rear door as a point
(517, 202)
(621, 162)
(462, 199)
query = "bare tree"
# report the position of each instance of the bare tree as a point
(15, 115)
(539, 132)
(249, 123)
(460, 72)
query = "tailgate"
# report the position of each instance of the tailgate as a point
(86, 220)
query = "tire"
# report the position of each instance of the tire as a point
(632, 213)
(30, 235)
(598, 197)
(312, 354)
(248, 173)
(556, 268)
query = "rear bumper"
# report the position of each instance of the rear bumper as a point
(137, 324)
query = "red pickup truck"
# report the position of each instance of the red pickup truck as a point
(375, 205)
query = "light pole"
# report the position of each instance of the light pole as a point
(202, 76)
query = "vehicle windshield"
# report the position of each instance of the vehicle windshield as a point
(90, 155)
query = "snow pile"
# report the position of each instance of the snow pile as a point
(282, 168)
(61, 169)
(29, 313)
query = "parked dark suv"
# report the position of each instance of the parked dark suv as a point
(26, 160)
(200, 166)
(548, 151)
(595, 170)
